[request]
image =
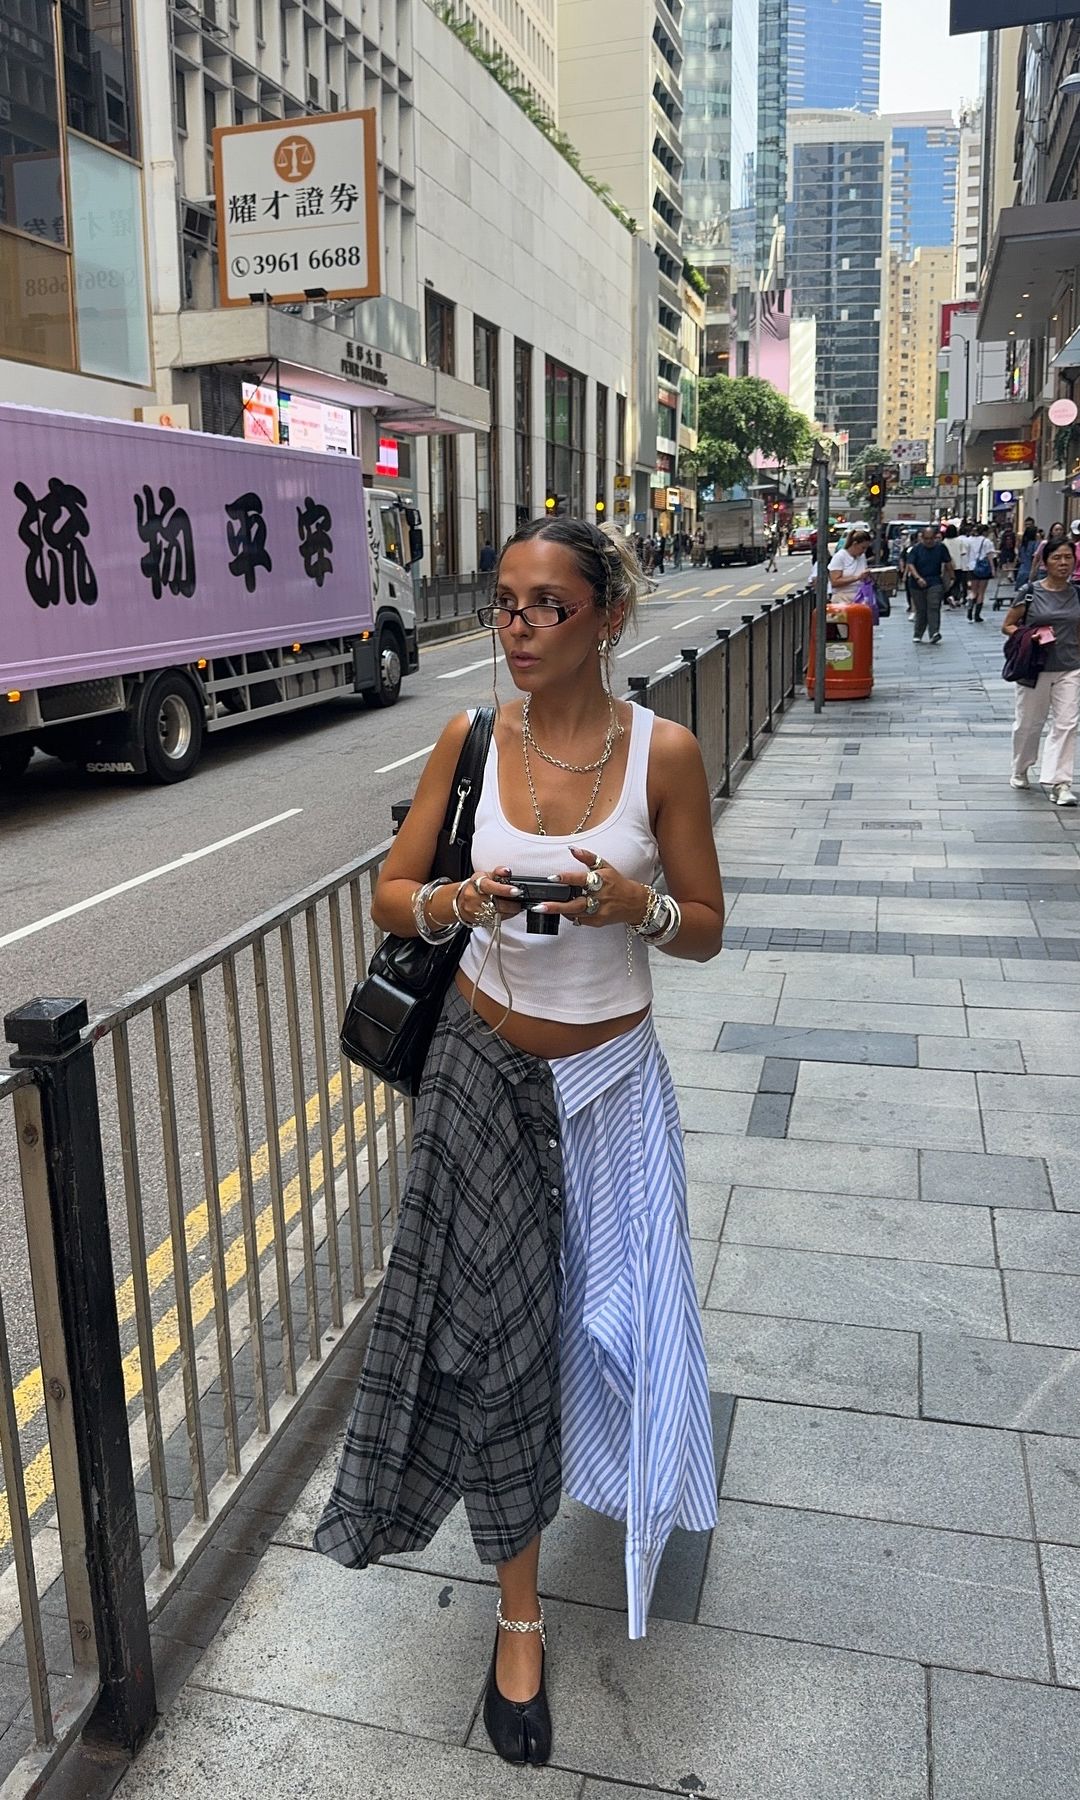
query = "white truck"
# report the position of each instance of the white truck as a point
(163, 584)
(734, 531)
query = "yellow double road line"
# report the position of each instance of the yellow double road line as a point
(30, 1394)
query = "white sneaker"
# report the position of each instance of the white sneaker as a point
(1019, 781)
(1062, 795)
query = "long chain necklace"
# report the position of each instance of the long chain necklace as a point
(614, 730)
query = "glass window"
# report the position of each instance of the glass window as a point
(522, 431)
(110, 271)
(439, 315)
(98, 79)
(564, 411)
(620, 434)
(35, 302)
(31, 172)
(441, 451)
(601, 443)
(486, 361)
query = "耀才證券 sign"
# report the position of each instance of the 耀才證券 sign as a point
(297, 209)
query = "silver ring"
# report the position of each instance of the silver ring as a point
(598, 861)
(593, 882)
(592, 905)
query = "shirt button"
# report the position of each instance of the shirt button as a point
(554, 1193)
(553, 1143)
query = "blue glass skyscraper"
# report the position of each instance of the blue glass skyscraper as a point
(925, 156)
(834, 54)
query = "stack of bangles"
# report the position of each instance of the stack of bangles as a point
(440, 934)
(662, 920)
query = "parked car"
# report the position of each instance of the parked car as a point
(802, 538)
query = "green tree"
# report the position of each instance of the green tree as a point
(741, 415)
(873, 455)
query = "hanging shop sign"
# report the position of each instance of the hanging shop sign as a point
(1018, 454)
(1063, 412)
(298, 209)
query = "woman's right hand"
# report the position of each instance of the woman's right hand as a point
(484, 885)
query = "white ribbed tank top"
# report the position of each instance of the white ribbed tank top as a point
(580, 975)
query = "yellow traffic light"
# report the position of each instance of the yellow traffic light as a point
(601, 506)
(550, 503)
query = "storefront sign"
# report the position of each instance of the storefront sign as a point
(260, 413)
(1063, 412)
(1019, 455)
(362, 364)
(674, 499)
(308, 424)
(171, 418)
(388, 462)
(297, 209)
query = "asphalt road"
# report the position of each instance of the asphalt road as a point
(96, 901)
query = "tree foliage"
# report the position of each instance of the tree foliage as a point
(741, 415)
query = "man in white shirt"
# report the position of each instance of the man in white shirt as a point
(958, 544)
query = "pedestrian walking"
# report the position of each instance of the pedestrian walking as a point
(772, 567)
(927, 563)
(982, 559)
(677, 550)
(488, 559)
(958, 546)
(661, 551)
(1053, 602)
(537, 1326)
(1057, 534)
(1025, 554)
(1006, 553)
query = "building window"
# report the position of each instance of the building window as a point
(439, 316)
(564, 424)
(111, 306)
(601, 450)
(486, 361)
(98, 78)
(522, 431)
(620, 434)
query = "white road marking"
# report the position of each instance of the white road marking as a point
(684, 622)
(124, 887)
(402, 760)
(644, 644)
(469, 669)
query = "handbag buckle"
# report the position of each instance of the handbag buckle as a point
(463, 792)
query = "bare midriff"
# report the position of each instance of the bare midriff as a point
(548, 1038)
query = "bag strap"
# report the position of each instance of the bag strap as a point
(468, 779)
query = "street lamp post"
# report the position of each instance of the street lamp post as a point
(820, 467)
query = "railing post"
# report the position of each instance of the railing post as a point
(766, 607)
(690, 657)
(725, 638)
(783, 694)
(638, 685)
(748, 621)
(47, 1039)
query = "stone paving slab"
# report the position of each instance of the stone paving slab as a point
(991, 1054)
(975, 1381)
(872, 1169)
(813, 1362)
(1003, 1740)
(858, 1290)
(968, 1180)
(943, 1597)
(854, 1225)
(907, 1471)
(855, 1121)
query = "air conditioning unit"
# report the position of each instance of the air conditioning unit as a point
(198, 222)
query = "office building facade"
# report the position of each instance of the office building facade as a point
(834, 55)
(523, 33)
(925, 157)
(967, 226)
(773, 24)
(837, 235)
(621, 105)
(918, 288)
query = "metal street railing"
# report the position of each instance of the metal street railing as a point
(207, 1138)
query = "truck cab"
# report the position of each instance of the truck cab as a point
(396, 543)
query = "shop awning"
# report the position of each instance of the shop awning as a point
(1034, 247)
(407, 397)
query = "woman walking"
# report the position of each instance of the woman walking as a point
(505, 1365)
(981, 557)
(1057, 534)
(1025, 554)
(1054, 603)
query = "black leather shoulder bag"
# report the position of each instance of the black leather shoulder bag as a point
(390, 1020)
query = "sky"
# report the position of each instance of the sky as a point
(923, 69)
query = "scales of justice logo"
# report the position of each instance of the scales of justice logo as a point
(294, 158)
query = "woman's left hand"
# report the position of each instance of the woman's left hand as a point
(615, 901)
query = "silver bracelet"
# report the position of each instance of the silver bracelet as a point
(456, 903)
(431, 934)
(650, 922)
(671, 928)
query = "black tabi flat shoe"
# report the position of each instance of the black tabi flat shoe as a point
(520, 1730)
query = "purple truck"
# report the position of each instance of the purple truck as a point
(159, 585)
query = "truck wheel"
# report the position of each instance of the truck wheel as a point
(389, 662)
(172, 727)
(14, 759)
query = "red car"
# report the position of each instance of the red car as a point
(803, 537)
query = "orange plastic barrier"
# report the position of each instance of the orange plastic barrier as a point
(849, 651)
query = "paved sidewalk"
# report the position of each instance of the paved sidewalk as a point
(880, 1082)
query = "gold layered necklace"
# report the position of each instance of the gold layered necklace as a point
(528, 742)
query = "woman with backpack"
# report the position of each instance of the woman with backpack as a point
(982, 559)
(1051, 606)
